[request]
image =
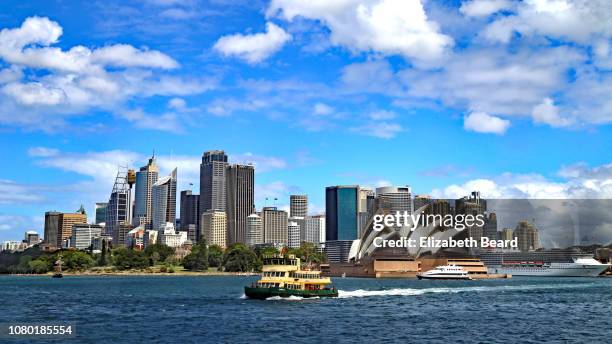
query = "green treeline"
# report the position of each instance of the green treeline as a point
(155, 258)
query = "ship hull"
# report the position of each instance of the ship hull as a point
(264, 293)
(554, 270)
(444, 277)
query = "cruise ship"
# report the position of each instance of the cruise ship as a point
(445, 272)
(545, 263)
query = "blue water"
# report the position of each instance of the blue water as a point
(180, 309)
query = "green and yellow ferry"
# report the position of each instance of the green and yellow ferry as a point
(283, 276)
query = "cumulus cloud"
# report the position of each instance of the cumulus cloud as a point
(322, 109)
(391, 27)
(483, 8)
(256, 47)
(574, 20)
(547, 113)
(481, 122)
(46, 84)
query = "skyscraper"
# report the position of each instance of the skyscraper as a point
(145, 178)
(315, 229)
(212, 181)
(341, 212)
(490, 229)
(240, 200)
(101, 212)
(275, 226)
(254, 230)
(164, 201)
(527, 236)
(214, 228)
(395, 198)
(190, 205)
(51, 228)
(293, 234)
(298, 205)
(119, 210)
(66, 222)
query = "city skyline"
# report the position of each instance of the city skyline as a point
(315, 106)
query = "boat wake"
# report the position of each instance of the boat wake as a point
(290, 298)
(413, 291)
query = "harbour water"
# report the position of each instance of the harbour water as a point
(182, 309)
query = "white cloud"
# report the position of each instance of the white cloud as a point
(178, 104)
(383, 130)
(580, 182)
(392, 27)
(547, 113)
(256, 47)
(261, 163)
(46, 84)
(12, 193)
(483, 8)
(322, 109)
(482, 122)
(578, 21)
(382, 115)
(370, 77)
(42, 152)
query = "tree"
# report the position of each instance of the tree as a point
(39, 266)
(124, 259)
(77, 260)
(103, 255)
(266, 252)
(240, 258)
(163, 252)
(308, 253)
(197, 260)
(215, 256)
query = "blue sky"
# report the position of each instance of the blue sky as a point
(508, 97)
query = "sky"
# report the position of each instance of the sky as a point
(511, 98)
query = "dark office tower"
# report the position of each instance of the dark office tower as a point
(240, 200)
(52, 224)
(298, 206)
(101, 212)
(189, 209)
(341, 212)
(212, 182)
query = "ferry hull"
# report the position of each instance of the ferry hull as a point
(444, 277)
(264, 293)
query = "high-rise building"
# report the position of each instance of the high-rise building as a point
(214, 228)
(164, 201)
(120, 234)
(189, 210)
(101, 212)
(52, 224)
(143, 199)
(490, 227)
(168, 236)
(31, 238)
(274, 225)
(395, 198)
(341, 212)
(472, 204)
(527, 236)
(83, 234)
(506, 234)
(240, 200)
(66, 222)
(212, 181)
(293, 234)
(298, 205)
(315, 229)
(119, 208)
(254, 230)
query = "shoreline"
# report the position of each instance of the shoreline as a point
(140, 273)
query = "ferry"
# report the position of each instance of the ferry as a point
(283, 276)
(445, 272)
(578, 267)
